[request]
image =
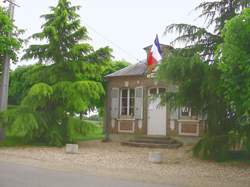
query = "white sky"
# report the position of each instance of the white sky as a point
(125, 25)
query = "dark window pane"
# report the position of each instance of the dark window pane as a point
(124, 93)
(124, 102)
(153, 91)
(132, 93)
(185, 111)
(131, 111)
(162, 90)
(124, 111)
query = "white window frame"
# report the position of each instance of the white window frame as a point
(128, 101)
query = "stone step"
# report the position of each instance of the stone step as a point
(153, 137)
(159, 141)
(152, 145)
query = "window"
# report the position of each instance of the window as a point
(153, 91)
(187, 112)
(127, 102)
(156, 91)
(162, 90)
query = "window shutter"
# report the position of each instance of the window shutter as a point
(115, 103)
(174, 113)
(138, 103)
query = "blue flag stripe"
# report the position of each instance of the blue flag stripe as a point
(157, 43)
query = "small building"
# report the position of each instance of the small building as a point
(133, 106)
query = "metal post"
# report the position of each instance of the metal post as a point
(6, 67)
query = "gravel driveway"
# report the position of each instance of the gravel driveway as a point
(112, 159)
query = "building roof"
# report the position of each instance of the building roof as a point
(132, 70)
(139, 68)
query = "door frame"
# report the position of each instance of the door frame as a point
(148, 103)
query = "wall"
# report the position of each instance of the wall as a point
(131, 82)
(146, 83)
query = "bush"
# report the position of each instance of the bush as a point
(213, 148)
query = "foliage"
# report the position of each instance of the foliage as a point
(93, 118)
(9, 45)
(93, 132)
(46, 113)
(234, 57)
(21, 80)
(202, 78)
(67, 81)
(24, 77)
(200, 40)
(63, 32)
(195, 80)
(62, 86)
(215, 147)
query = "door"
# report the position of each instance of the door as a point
(156, 113)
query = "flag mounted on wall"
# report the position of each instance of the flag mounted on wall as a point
(154, 54)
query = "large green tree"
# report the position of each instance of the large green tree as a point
(68, 81)
(234, 58)
(196, 71)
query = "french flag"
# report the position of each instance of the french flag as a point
(155, 53)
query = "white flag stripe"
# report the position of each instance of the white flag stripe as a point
(155, 53)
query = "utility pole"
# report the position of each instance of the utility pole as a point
(4, 85)
(6, 66)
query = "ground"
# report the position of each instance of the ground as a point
(128, 163)
(19, 175)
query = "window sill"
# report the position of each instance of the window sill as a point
(188, 120)
(126, 118)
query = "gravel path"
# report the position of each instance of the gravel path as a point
(112, 159)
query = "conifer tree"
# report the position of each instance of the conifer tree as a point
(67, 83)
(205, 40)
(194, 68)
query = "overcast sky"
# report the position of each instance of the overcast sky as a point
(125, 25)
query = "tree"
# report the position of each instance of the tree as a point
(199, 88)
(67, 83)
(234, 57)
(9, 45)
(68, 80)
(196, 71)
(200, 40)
(63, 32)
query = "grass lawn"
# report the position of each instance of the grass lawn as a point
(95, 134)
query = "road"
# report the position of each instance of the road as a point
(16, 175)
